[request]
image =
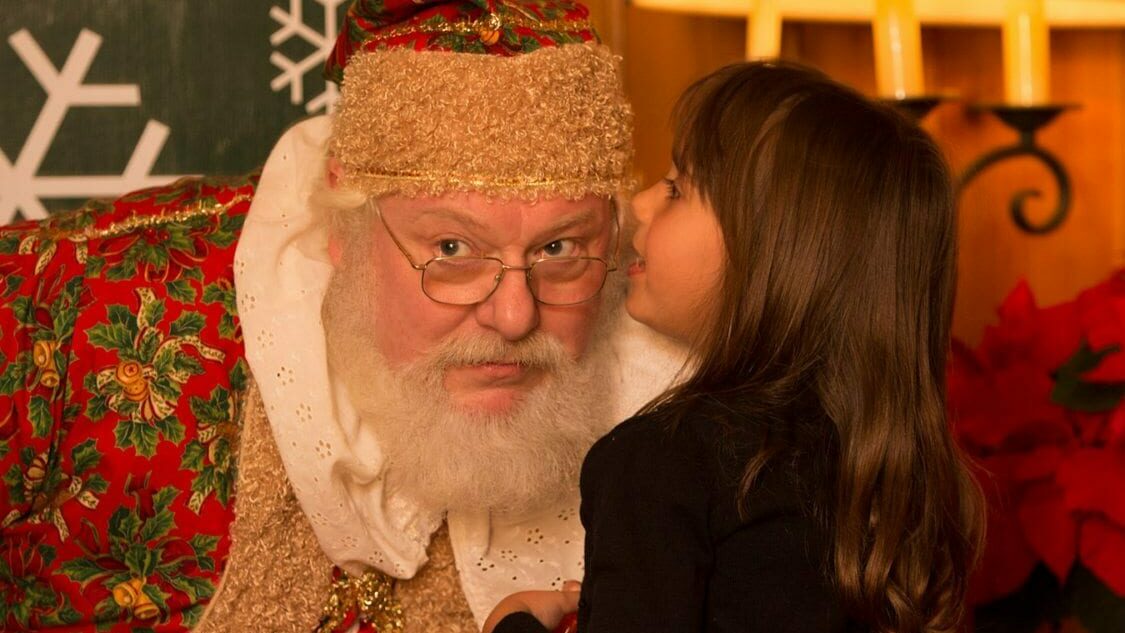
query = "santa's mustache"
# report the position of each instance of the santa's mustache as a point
(538, 350)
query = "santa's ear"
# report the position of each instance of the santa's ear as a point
(334, 172)
(335, 250)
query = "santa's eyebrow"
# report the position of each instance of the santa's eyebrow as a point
(582, 218)
(451, 215)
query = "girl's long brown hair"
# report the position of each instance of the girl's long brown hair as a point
(838, 220)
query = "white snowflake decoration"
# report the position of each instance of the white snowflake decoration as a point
(22, 189)
(293, 72)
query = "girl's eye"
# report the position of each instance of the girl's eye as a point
(560, 248)
(452, 248)
(673, 190)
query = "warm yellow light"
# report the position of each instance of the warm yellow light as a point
(898, 49)
(1026, 53)
(763, 31)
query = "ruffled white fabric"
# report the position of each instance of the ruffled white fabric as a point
(334, 464)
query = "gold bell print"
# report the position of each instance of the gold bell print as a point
(130, 595)
(130, 375)
(490, 32)
(43, 354)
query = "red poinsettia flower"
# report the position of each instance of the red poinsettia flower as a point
(1034, 405)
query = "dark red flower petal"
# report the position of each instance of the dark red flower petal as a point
(1093, 480)
(1050, 529)
(1102, 550)
(1006, 563)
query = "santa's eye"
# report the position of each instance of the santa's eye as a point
(452, 248)
(559, 248)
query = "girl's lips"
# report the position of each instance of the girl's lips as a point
(637, 267)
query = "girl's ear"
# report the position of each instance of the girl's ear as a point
(334, 172)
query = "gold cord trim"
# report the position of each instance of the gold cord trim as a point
(480, 26)
(198, 210)
(477, 181)
(370, 596)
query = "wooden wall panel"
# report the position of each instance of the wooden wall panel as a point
(665, 52)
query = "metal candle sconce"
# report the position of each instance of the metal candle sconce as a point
(1026, 120)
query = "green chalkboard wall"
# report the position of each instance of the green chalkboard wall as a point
(100, 97)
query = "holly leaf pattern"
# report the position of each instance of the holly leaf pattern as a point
(118, 399)
(39, 413)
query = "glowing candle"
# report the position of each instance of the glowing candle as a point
(898, 49)
(1026, 53)
(763, 33)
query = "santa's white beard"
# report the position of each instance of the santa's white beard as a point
(454, 458)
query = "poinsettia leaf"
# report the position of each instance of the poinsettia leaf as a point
(141, 560)
(123, 525)
(110, 337)
(39, 595)
(214, 293)
(158, 596)
(192, 458)
(1097, 607)
(122, 315)
(189, 616)
(187, 364)
(227, 326)
(96, 484)
(213, 410)
(9, 244)
(13, 376)
(14, 480)
(96, 407)
(203, 544)
(12, 283)
(188, 324)
(223, 483)
(85, 456)
(1072, 392)
(204, 483)
(62, 616)
(23, 310)
(149, 343)
(21, 611)
(94, 265)
(151, 313)
(181, 290)
(238, 375)
(195, 588)
(107, 612)
(47, 553)
(171, 428)
(164, 497)
(138, 435)
(39, 412)
(81, 570)
(159, 525)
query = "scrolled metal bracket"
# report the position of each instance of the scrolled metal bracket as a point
(1025, 120)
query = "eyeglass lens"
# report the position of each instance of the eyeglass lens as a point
(466, 280)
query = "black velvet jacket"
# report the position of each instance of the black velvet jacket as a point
(667, 549)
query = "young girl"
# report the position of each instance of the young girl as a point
(802, 478)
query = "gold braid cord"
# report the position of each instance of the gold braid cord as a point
(370, 596)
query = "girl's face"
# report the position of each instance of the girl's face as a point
(674, 283)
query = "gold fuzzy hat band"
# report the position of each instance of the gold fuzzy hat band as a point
(550, 123)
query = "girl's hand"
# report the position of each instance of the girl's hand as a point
(548, 607)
